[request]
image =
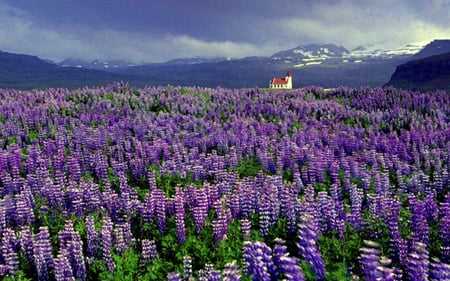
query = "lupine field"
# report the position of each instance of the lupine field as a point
(171, 183)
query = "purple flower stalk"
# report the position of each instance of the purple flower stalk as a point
(106, 242)
(288, 267)
(258, 261)
(308, 248)
(63, 270)
(231, 272)
(179, 215)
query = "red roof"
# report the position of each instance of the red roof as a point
(288, 74)
(278, 80)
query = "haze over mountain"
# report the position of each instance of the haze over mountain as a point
(96, 64)
(427, 70)
(436, 47)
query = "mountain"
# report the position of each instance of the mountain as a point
(428, 73)
(27, 72)
(436, 47)
(381, 51)
(257, 73)
(311, 51)
(325, 65)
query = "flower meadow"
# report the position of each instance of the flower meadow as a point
(171, 183)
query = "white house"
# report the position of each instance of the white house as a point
(281, 83)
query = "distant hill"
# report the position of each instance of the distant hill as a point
(428, 73)
(27, 72)
(257, 71)
(436, 47)
(325, 65)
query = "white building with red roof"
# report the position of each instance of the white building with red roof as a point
(281, 83)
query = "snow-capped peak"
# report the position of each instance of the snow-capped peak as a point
(383, 50)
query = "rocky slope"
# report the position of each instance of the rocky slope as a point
(429, 73)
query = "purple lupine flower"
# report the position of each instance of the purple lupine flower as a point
(258, 260)
(220, 223)
(190, 195)
(24, 214)
(119, 238)
(291, 212)
(370, 262)
(325, 207)
(356, 199)
(2, 215)
(187, 268)
(439, 271)
(42, 252)
(9, 250)
(74, 168)
(212, 192)
(210, 274)
(92, 237)
(106, 242)
(14, 159)
(233, 203)
(419, 224)
(200, 212)
(26, 243)
(91, 196)
(149, 251)
(70, 241)
(173, 276)
(151, 179)
(179, 215)
(246, 192)
(160, 208)
(246, 227)
(264, 215)
(231, 272)
(308, 248)
(100, 165)
(417, 264)
(63, 270)
(431, 207)
(288, 267)
(398, 245)
(148, 211)
(4, 269)
(444, 230)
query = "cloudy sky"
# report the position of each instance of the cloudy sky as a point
(159, 30)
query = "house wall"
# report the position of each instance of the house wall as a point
(281, 86)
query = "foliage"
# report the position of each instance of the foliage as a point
(137, 184)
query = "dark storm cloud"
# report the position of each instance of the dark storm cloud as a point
(142, 30)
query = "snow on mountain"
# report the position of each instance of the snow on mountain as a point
(314, 54)
(311, 51)
(383, 51)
